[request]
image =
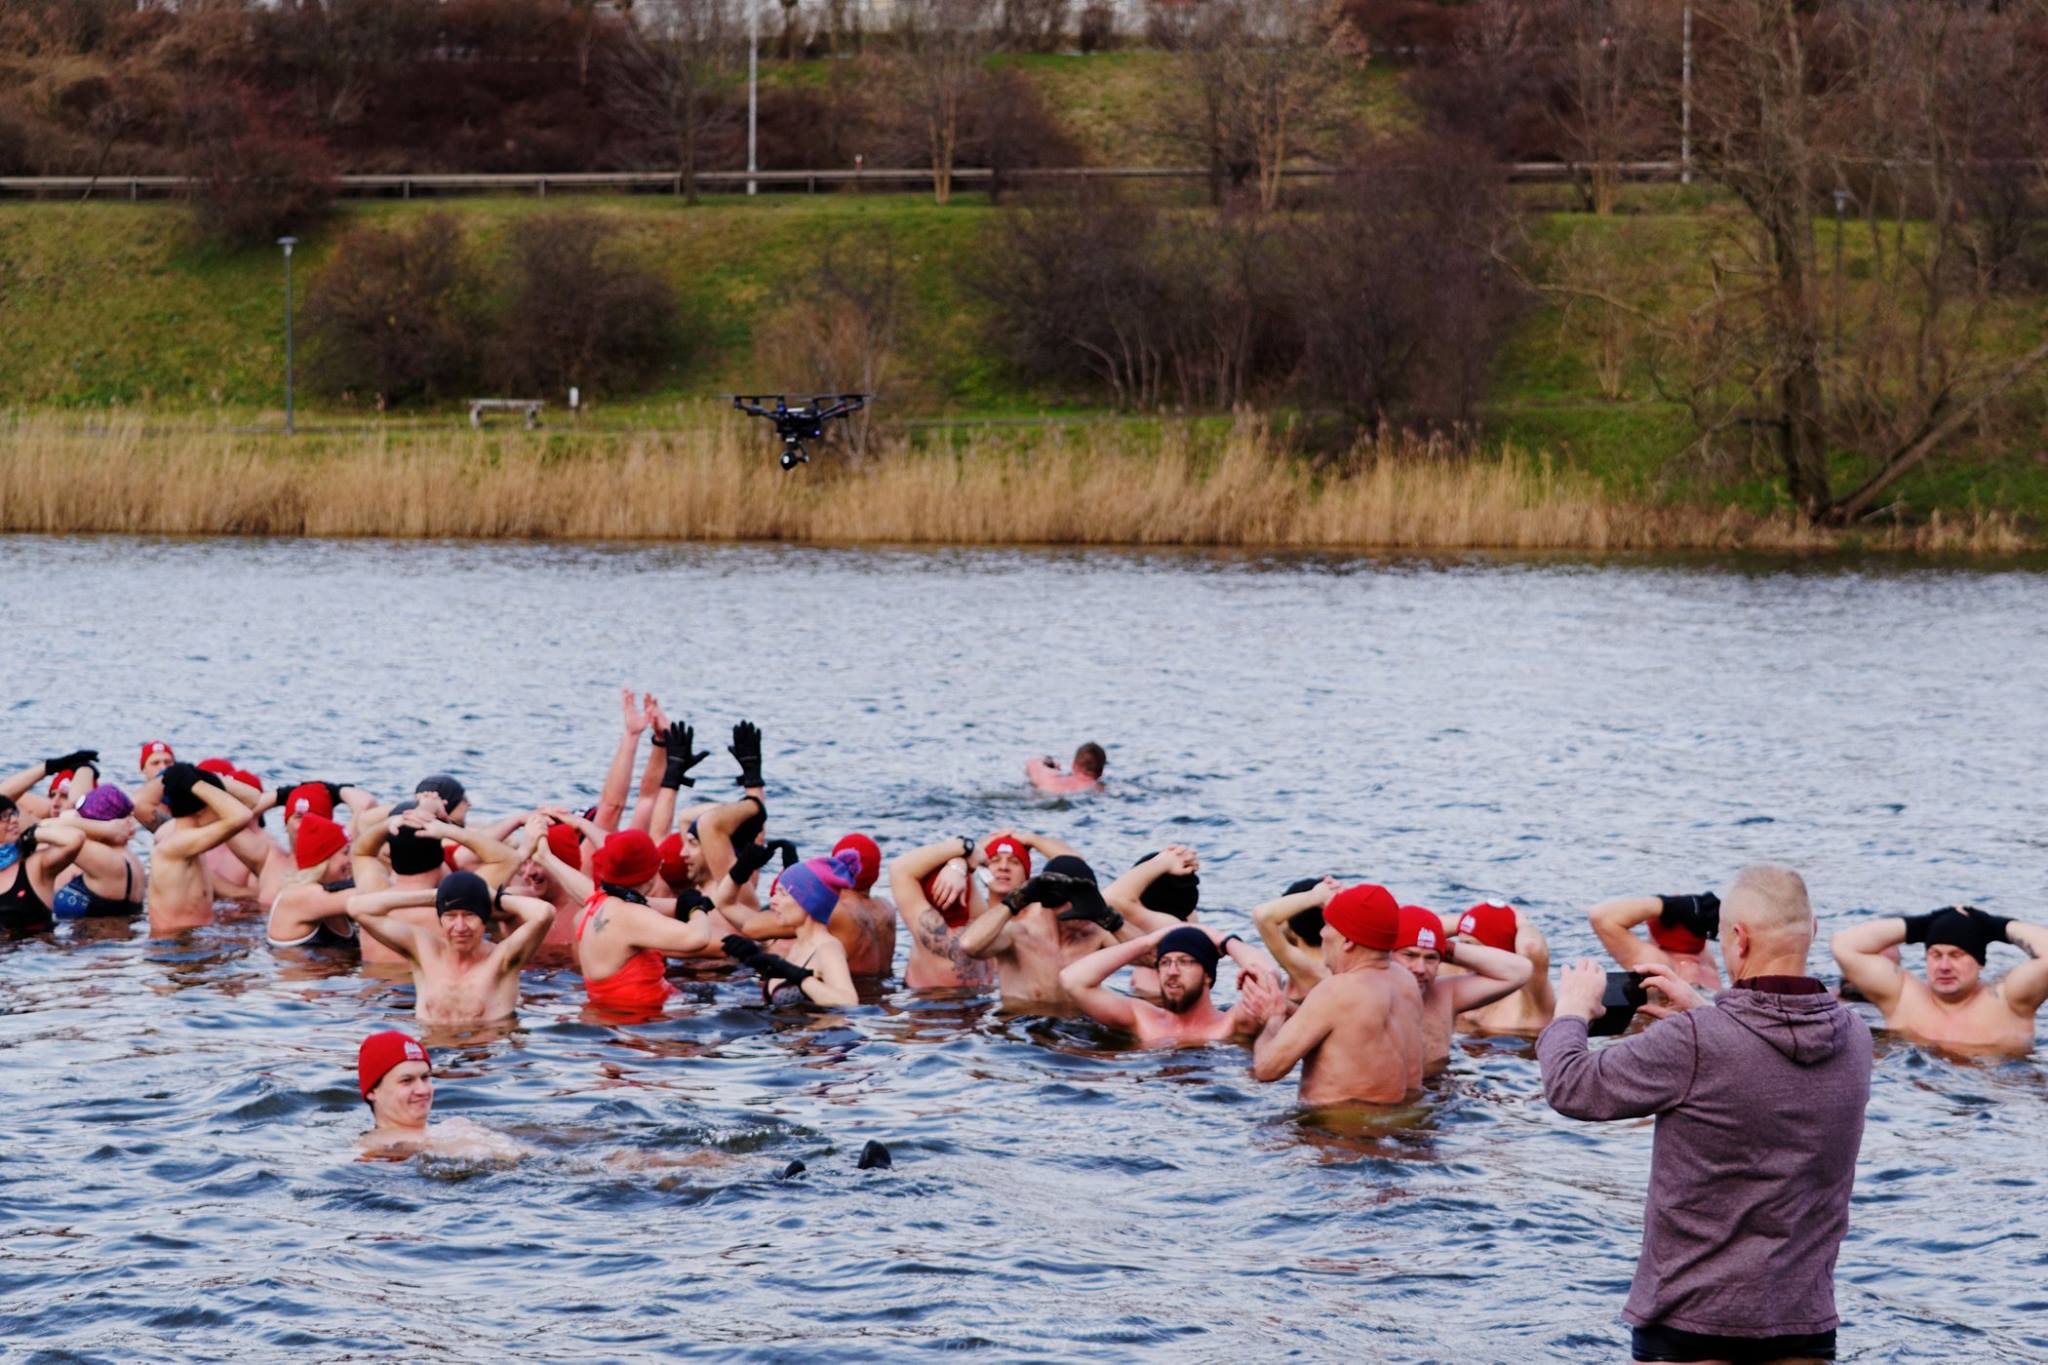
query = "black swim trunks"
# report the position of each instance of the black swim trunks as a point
(1668, 1343)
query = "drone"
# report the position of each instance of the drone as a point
(804, 422)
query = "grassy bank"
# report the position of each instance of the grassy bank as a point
(715, 480)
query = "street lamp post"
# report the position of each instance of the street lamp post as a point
(1841, 202)
(288, 243)
(1685, 106)
(753, 81)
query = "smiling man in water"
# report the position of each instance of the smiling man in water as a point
(458, 975)
(1188, 954)
(1954, 1006)
(396, 1078)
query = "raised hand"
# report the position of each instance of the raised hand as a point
(77, 758)
(630, 711)
(683, 755)
(949, 885)
(746, 751)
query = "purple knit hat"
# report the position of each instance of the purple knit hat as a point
(106, 803)
(815, 883)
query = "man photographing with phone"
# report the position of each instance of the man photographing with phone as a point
(1759, 1100)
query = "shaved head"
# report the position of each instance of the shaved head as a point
(1770, 903)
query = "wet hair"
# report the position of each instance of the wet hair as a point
(7, 806)
(1090, 759)
(413, 853)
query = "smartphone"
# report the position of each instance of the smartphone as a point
(1625, 995)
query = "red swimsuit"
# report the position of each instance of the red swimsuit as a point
(641, 984)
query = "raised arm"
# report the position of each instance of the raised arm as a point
(1491, 974)
(618, 778)
(57, 845)
(1045, 845)
(17, 783)
(1646, 1074)
(1530, 944)
(2026, 985)
(1614, 923)
(1126, 893)
(1303, 962)
(642, 815)
(715, 829)
(371, 910)
(572, 880)
(988, 933)
(373, 831)
(1859, 951)
(191, 843)
(1082, 979)
(907, 872)
(496, 860)
(534, 915)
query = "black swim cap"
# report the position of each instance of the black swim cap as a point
(463, 892)
(442, 785)
(1196, 944)
(1171, 893)
(1067, 865)
(1971, 933)
(179, 779)
(412, 853)
(1306, 924)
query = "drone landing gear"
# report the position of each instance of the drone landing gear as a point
(804, 422)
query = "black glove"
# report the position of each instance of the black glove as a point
(768, 964)
(676, 773)
(786, 848)
(1701, 914)
(1994, 925)
(746, 751)
(77, 757)
(749, 859)
(333, 791)
(1918, 925)
(1096, 911)
(690, 902)
(740, 948)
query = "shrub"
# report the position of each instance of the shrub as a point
(394, 312)
(579, 311)
(253, 178)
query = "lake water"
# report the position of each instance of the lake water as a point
(179, 1177)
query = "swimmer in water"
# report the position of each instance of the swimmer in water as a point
(1359, 1035)
(1089, 761)
(1292, 928)
(1187, 958)
(1032, 934)
(864, 924)
(396, 1078)
(1492, 924)
(157, 755)
(937, 904)
(202, 818)
(31, 857)
(815, 970)
(458, 975)
(311, 909)
(623, 939)
(412, 834)
(1681, 929)
(107, 880)
(297, 802)
(1954, 1006)
(1490, 974)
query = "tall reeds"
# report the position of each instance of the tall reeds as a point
(716, 480)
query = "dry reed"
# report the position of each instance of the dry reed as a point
(715, 480)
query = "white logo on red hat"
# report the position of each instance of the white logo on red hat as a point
(301, 806)
(1425, 938)
(414, 1052)
(1469, 924)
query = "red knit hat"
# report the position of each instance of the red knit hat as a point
(219, 767)
(627, 858)
(1420, 928)
(954, 915)
(1673, 939)
(1008, 843)
(382, 1051)
(1492, 923)
(870, 855)
(1368, 915)
(566, 843)
(152, 748)
(309, 798)
(674, 870)
(318, 839)
(57, 780)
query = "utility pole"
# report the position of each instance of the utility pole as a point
(753, 83)
(288, 243)
(1685, 107)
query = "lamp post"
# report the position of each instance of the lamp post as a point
(1841, 202)
(1685, 107)
(753, 81)
(288, 243)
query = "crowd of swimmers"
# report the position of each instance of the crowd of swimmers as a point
(1363, 992)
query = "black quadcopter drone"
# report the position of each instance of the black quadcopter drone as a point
(804, 422)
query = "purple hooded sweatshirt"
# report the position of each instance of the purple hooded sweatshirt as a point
(1759, 1100)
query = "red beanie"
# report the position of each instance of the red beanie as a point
(1368, 915)
(57, 780)
(1492, 923)
(955, 916)
(1008, 843)
(627, 858)
(566, 843)
(155, 746)
(219, 767)
(1420, 928)
(870, 855)
(674, 870)
(382, 1051)
(318, 839)
(309, 798)
(1673, 939)
(247, 778)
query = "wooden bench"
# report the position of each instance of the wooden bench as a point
(530, 406)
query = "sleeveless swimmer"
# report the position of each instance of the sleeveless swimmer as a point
(76, 900)
(22, 911)
(321, 937)
(641, 983)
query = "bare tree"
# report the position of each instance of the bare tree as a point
(670, 69)
(1275, 80)
(946, 44)
(1613, 52)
